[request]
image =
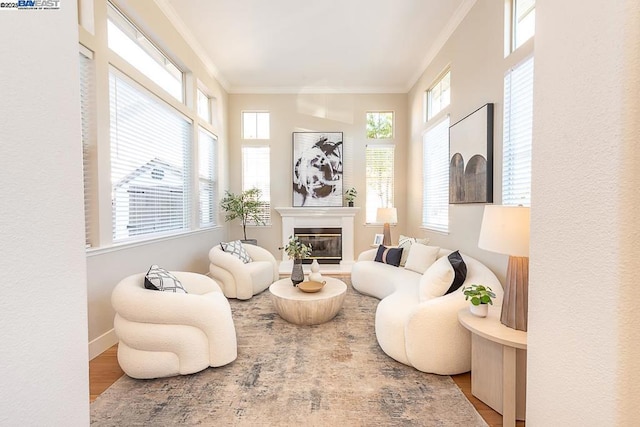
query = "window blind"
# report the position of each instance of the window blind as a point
(435, 179)
(379, 179)
(89, 154)
(150, 162)
(518, 118)
(256, 174)
(207, 150)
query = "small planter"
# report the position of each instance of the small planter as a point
(480, 310)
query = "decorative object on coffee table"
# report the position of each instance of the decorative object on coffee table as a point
(311, 286)
(315, 272)
(387, 216)
(297, 251)
(505, 230)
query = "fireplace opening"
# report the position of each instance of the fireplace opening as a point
(326, 244)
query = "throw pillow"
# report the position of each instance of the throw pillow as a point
(405, 243)
(159, 279)
(421, 257)
(389, 256)
(437, 279)
(460, 269)
(236, 249)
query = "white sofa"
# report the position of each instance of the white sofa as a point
(163, 334)
(240, 280)
(414, 327)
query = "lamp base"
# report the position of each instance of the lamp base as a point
(386, 240)
(516, 294)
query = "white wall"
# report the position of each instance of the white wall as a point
(583, 337)
(44, 366)
(318, 113)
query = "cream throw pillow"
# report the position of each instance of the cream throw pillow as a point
(405, 243)
(421, 257)
(437, 279)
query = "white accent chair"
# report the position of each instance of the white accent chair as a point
(162, 334)
(240, 280)
(414, 327)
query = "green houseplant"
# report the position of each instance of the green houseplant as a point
(245, 206)
(296, 250)
(480, 296)
(350, 195)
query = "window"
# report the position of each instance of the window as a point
(89, 151)
(439, 96)
(128, 42)
(435, 179)
(255, 125)
(150, 162)
(204, 106)
(380, 124)
(256, 174)
(518, 118)
(520, 23)
(379, 179)
(207, 145)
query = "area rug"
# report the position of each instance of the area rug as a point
(286, 375)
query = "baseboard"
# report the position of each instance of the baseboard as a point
(102, 343)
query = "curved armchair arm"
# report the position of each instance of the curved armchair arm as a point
(258, 253)
(368, 255)
(229, 265)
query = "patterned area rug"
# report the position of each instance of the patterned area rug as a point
(285, 375)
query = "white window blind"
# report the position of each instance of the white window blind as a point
(207, 148)
(256, 173)
(518, 118)
(150, 162)
(89, 152)
(379, 179)
(435, 179)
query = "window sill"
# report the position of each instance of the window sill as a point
(433, 230)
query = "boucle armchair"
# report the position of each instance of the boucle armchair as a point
(162, 334)
(240, 280)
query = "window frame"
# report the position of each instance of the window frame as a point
(511, 26)
(378, 113)
(202, 94)
(258, 136)
(428, 96)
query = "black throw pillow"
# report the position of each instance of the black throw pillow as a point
(389, 256)
(460, 269)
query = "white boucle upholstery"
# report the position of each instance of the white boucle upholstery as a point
(240, 280)
(418, 330)
(162, 334)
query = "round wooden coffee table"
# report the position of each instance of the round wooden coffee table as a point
(302, 308)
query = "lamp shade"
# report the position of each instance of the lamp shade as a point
(505, 230)
(387, 215)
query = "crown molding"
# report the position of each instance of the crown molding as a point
(314, 89)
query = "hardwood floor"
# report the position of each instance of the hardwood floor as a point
(104, 371)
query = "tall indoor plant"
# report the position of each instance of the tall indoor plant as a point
(245, 206)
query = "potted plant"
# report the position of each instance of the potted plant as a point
(245, 206)
(297, 251)
(350, 195)
(481, 296)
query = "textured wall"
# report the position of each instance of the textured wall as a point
(583, 335)
(43, 354)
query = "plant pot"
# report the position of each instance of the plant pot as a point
(297, 274)
(479, 310)
(350, 204)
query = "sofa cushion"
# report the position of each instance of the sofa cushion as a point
(405, 242)
(436, 280)
(460, 270)
(421, 257)
(159, 279)
(236, 249)
(389, 256)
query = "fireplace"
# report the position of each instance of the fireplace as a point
(326, 244)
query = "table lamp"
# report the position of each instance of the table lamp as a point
(505, 230)
(387, 216)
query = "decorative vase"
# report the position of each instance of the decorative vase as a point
(479, 310)
(315, 275)
(297, 274)
(350, 204)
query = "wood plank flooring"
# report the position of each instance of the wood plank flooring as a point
(104, 371)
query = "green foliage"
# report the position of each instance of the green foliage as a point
(380, 125)
(295, 249)
(479, 294)
(350, 194)
(245, 206)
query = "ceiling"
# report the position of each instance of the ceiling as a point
(297, 46)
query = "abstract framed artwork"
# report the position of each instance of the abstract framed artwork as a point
(471, 158)
(317, 169)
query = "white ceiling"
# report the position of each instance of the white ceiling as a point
(293, 46)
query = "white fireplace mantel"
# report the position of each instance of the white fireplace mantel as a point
(338, 217)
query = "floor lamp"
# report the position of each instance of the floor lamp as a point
(387, 216)
(505, 230)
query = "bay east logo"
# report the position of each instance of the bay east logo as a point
(30, 4)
